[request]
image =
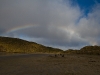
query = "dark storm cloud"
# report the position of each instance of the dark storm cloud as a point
(49, 22)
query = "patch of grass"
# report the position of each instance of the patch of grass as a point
(16, 45)
(90, 50)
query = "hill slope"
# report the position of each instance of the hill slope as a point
(15, 45)
(91, 50)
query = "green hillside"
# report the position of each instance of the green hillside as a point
(90, 50)
(16, 45)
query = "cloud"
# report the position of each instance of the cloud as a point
(89, 26)
(49, 22)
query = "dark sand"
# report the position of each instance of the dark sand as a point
(46, 64)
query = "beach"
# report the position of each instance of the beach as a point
(48, 64)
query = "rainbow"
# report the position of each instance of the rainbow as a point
(18, 28)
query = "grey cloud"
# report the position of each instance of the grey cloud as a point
(89, 27)
(55, 22)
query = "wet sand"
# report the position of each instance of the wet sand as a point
(47, 64)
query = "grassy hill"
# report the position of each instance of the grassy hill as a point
(16, 45)
(90, 50)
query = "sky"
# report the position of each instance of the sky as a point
(64, 24)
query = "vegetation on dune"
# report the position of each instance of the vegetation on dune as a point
(91, 50)
(16, 45)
